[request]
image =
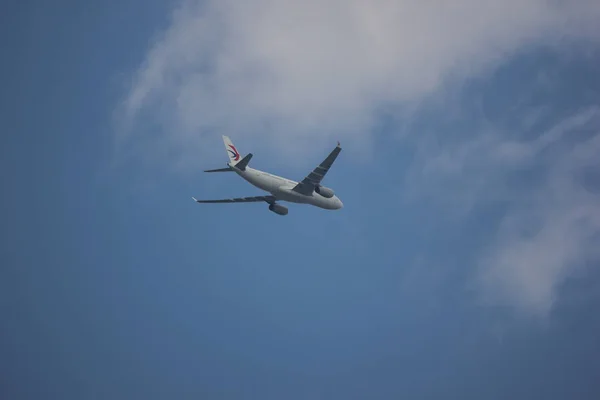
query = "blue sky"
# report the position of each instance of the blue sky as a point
(464, 264)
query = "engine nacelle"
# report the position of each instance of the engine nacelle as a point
(324, 191)
(278, 209)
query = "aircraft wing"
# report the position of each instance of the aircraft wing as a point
(268, 199)
(308, 184)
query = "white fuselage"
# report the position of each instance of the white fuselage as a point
(281, 188)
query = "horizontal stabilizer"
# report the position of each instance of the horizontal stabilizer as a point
(220, 170)
(243, 163)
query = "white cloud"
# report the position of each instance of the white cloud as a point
(546, 239)
(552, 229)
(288, 72)
(293, 71)
(473, 169)
(525, 269)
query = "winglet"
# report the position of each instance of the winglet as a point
(196, 200)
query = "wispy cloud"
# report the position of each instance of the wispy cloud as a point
(551, 233)
(291, 71)
(552, 227)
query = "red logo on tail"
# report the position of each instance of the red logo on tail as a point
(234, 152)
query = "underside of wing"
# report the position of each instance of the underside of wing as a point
(312, 180)
(268, 199)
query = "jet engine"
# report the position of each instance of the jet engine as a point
(324, 191)
(278, 209)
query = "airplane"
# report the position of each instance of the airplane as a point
(308, 191)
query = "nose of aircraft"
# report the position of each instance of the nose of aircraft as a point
(339, 203)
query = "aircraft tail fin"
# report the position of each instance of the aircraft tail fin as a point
(232, 152)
